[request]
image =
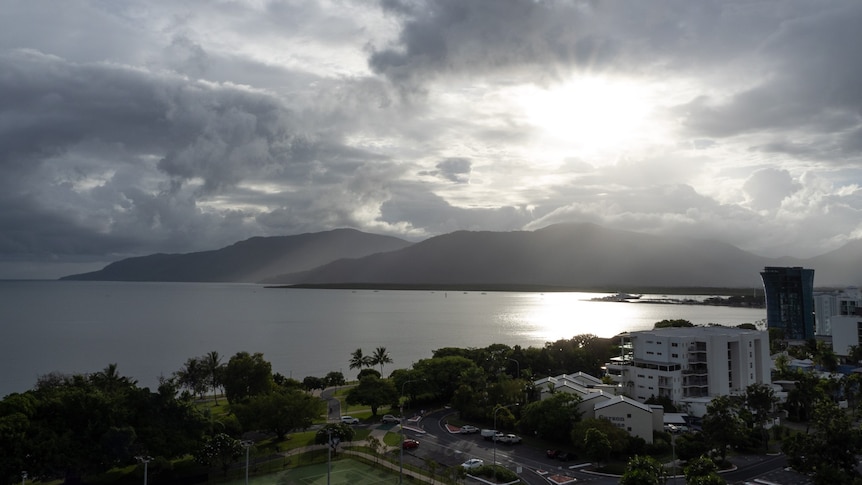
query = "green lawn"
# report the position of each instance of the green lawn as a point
(344, 472)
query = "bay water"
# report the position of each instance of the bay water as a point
(150, 329)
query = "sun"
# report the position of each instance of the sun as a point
(589, 116)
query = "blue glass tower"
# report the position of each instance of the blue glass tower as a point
(790, 301)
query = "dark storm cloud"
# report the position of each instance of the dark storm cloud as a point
(548, 38)
(813, 83)
(102, 136)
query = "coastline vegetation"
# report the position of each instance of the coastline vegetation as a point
(90, 428)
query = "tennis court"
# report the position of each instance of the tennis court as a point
(344, 472)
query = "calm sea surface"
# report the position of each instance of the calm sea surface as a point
(151, 329)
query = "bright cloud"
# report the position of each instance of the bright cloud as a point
(136, 127)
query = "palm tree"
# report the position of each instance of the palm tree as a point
(380, 357)
(358, 361)
(213, 364)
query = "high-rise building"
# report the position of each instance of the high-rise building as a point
(790, 300)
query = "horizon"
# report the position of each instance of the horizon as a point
(155, 127)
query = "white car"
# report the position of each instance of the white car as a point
(507, 438)
(349, 420)
(467, 429)
(472, 464)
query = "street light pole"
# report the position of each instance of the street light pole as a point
(494, 438)
(328, 454)
(144, 460)
(23, 477)
(401, 445)
(247, 444)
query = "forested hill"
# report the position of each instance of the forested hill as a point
(573, 256)
(584, 256)
(252, 260)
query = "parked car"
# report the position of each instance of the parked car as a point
(467, 429)
(349, 420)
(410, 444)
(388, 418)
(472, 464)
(507, 438)
(565, 456)
(560, 455)
(489, 434)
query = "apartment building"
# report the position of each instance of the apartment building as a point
(692, 363)
(829, 305)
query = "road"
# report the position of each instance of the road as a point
(448, 449)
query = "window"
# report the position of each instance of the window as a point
(674, 355)
(674, 344)
(629, 415)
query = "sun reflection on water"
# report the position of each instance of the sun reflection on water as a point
(547, 317)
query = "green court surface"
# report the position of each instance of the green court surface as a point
(344, 472)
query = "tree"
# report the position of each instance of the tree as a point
(212, 363)
(373, 392)
(722, 426)
(618, 438)
(442, 374)
(368, 372)
(247, 375)
(221, 450)
(596, 445)
(829, 450)
(336, 432)
(380, 357)
(702, 471)
(643, 470)
(551, 418)
(673, 323)
(193, 376)
(375, 445)
(358, 360)
(311, 383)
(334, 378)
(280, 411)
(760, 399)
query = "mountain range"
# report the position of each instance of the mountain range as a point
(572, 255)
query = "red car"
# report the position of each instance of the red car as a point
(410, 444)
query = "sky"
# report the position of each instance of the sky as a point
(136, 127)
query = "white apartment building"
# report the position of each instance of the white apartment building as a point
(692, 363)
(846, 332)
(832, 304)
(599, 401)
